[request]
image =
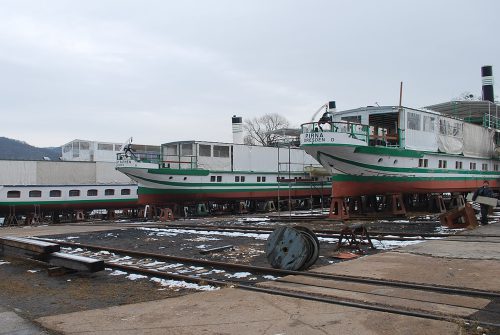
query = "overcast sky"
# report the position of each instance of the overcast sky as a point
(163, 71)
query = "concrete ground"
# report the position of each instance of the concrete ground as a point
(233, 311)
(11, 323)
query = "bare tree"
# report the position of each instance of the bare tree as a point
(258, 129)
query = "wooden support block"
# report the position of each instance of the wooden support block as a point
(75, 262)
(37, 246)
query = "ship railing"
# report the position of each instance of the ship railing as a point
(179, 162)
(491, 121)
(372, 135)
(141, 157)
(355, 130)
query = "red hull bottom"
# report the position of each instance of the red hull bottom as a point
(359, 188)
(156, 199)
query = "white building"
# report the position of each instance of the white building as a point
(93, 151)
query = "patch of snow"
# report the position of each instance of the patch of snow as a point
(177, 285)
(155, 263)
(254, 219)
(203, 239)
(33, 271)
(4, 262)
(196, 268)
(238, 275)
(270, 277)
(170, 266)
(175, 232)
(71, 237)
(103, 252)
(117, 273)
(388, 245)
(134, 276)
(202, 246)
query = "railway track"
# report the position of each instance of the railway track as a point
(215, 273)
(323, 233)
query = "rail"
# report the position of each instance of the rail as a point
(169, 161)
(372, 135)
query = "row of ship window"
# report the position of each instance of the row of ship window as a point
(260, 179)
(443, 164)
(71, 193)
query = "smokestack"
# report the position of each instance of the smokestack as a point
(332, 108)
(487, 79)
(237, 129)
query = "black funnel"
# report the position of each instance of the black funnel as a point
(487, 79)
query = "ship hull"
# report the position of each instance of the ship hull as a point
(162, 186)
(361, 170)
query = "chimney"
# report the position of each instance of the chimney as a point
(237, 129)
(487, 79)
(332, 108)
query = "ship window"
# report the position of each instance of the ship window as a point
(495, 167)
(35, 194)
(353, 118)
(13, 194)
(413, 121)
(187, 149)
(55, 193)
(258, 179)
(263, 179)
(485, 166)
(242, 178)
(212, 179)
(423, 162)
(84, 145)
(67, 148)
(172, 149)
(125, 191)
(221, 151)
(219, 179)
(92, 193)
(105, 146)
(428, 123)
(442, 164)
(472, 166)
(74, 193)
(237, 178)
(109, 191)
(458, 165)
(205, 150)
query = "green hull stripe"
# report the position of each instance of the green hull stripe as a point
(188, 172)
(373, 179)
(215, 184)
(411, 170)
(393, 152)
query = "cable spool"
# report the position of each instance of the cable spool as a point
(290, 248)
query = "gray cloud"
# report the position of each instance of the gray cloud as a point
(167, 70)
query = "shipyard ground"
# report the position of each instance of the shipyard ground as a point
(31, 302)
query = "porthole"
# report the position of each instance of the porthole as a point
(380, 159)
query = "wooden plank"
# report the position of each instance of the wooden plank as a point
(37, 246)
(208, 251)
(75, 262)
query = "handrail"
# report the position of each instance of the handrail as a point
(363, 132)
